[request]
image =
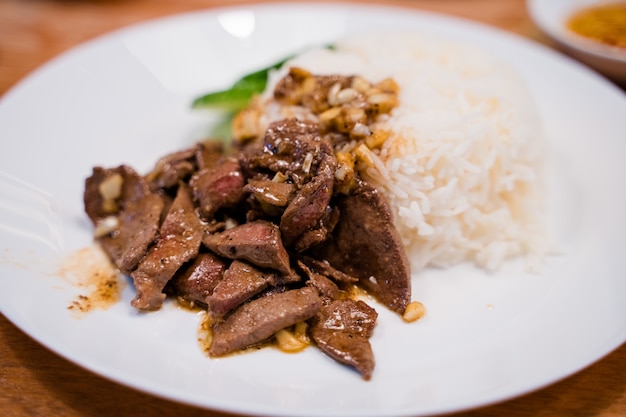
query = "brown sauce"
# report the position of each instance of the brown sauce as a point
(604, 23)
(205, 334)
(89, 269)
(188, 305)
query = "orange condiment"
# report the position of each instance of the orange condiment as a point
(605, 23)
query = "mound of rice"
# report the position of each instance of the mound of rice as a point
(463, 165)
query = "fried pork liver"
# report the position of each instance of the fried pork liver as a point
(240, 283)
(173, 168)
(197, 279)
(259, 319)
(179, 239)
(274, 193)
(217, 187)
(109, 190)
(137, 229)
(366, 245)
(342, 330)
(258, 242)
(134, 211)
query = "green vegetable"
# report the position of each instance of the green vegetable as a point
(239, 95)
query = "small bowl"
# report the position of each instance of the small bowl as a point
(552, 15)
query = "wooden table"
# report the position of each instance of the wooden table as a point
(36, 382)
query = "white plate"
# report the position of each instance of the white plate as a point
(124, 98)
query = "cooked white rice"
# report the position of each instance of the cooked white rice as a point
(462, 167)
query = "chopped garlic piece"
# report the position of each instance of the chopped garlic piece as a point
(414, 311)
(106, 225)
